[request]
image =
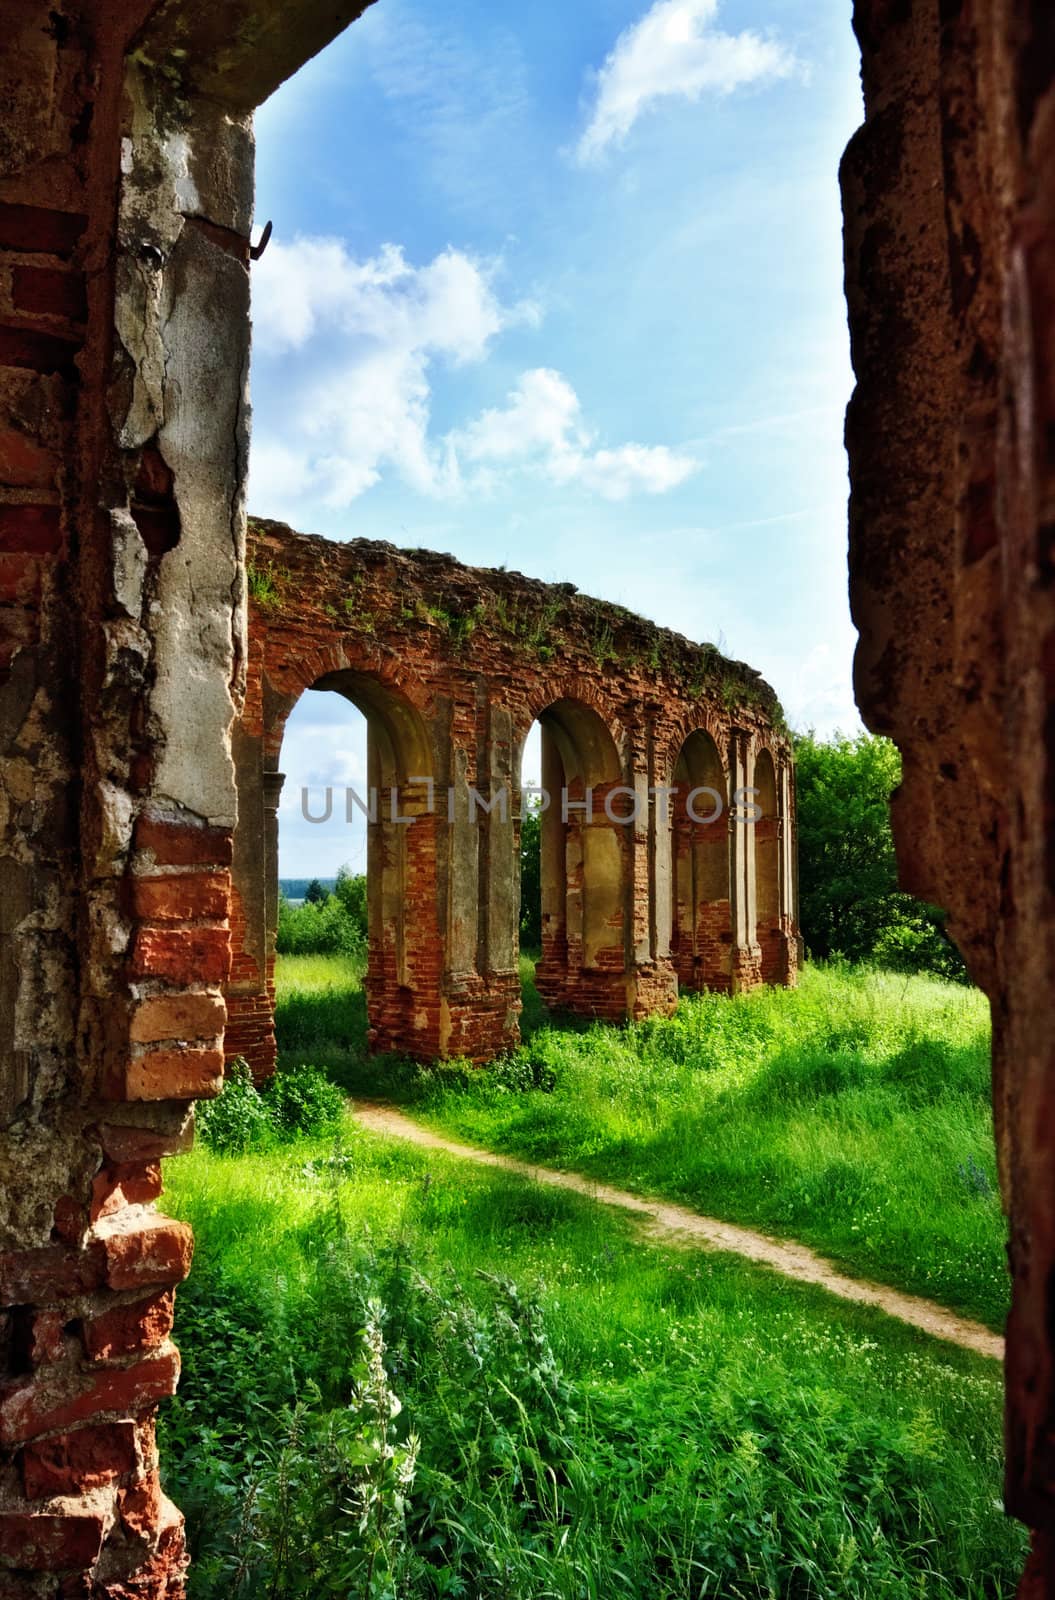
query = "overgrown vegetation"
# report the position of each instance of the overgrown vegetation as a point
(298, 1100)
(850, 903)
(327, 923)
(852, 1113)
(405, 1376)
(531, 877)
(265, 585)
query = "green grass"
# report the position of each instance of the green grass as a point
(625, 1421)
(853, 1113)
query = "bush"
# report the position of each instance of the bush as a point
(850, 902)
(301, 1101)
(326, 924)
(238, 1119)
(243, 1117)
(531, 878)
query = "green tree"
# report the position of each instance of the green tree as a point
(350, 890)
(315, 894)
(849, 901)
(531, 878)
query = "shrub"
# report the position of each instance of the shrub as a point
(531, 878)
(300, 1100)
(326, 924)
(238, 1119)
(850, 903)
(243, 1117)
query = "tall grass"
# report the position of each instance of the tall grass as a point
(597, 1417)
(853, 1113)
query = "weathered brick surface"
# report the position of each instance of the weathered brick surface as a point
(122, 1184)
(178, 1074)
(137, 1325)
(182, 844)
(949, 200)
(182, 956)
(185, 897)
(177, 1016)
(143, 1248)
(52, 1400)
(72, 1463)
(49, 1542)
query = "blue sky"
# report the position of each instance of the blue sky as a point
(559, 288)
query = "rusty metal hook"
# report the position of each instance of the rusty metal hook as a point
(257, 250)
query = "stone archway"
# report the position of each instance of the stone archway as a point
(455, 663)
(585, 862)
(701, 899)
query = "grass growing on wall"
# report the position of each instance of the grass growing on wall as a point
(853, 1113)
(566, 1411)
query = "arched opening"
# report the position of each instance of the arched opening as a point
(529, 861)
(585, 827)
(767, 836)
(701, 921)
(403, 1007)
(379, 811)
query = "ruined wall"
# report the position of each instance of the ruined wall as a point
(949, 195)
(125, 204)
(451, 666)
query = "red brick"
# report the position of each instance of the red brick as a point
(187, 897)
(183, 844)
(140, 1507)
(144, 1248)
(173, 1075)
(127, 1330)
(49, 292)
(34, 530)
(154, 477)
(37, 1542)
(57, 1398)
(125, 1184)
(178, 1016)
(182, 955)
(71, 1219)
(31, 229)
(24, 462)
(73, 1463)
(35, 1277)
(40, 352)
(47, 1340)
(126, 1142)
(19, 580)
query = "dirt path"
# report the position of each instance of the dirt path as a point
(677, 1223)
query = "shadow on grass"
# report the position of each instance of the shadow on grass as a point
(321, 1021)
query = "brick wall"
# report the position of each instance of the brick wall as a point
(451, 666)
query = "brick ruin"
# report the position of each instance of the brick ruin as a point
(125, 209)
(642, 892)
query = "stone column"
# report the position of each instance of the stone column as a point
(746, 956)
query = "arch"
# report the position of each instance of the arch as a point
(701, 903)
(404, 925)
(584, 862)
(767, 839)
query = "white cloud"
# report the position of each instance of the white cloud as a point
(363, 336)
(354, 344)
(674, 49)
(541, 426)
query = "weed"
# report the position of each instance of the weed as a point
(265, 585)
